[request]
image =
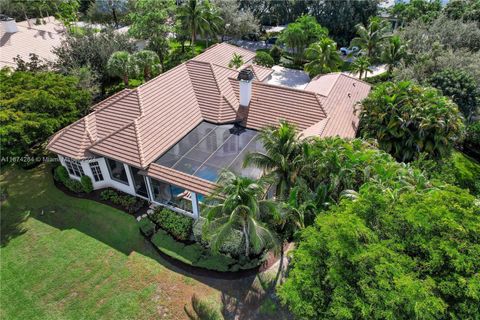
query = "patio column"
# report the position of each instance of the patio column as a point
(195, 207)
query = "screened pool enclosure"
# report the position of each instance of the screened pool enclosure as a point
(208, 149)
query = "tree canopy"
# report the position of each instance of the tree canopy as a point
(408, 119)
(33, 106)
(416, 257)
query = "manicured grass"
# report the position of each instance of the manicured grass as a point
(68, 258)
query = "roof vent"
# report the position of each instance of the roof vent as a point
(245, 75)
(349, 95)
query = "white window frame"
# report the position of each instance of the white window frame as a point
(96, 171)
(74, 167)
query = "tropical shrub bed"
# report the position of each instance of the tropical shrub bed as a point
(130, 203)
(176, 224)
(199, 256)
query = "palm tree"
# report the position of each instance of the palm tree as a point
(283, 156)
(215, 22)
(194, 18)
(394, 52)
(236, 205)
(121, 64)
(361, 66)
(370, 37)
(147, 61)
(236, 62)
(323, 56)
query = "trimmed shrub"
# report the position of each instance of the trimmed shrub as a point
(74, 185)
(130, 203)
(86, 184)
(264, 59)
(147, 227)
(60, 174)
(194, 254)
(176, 224)
(276, 53)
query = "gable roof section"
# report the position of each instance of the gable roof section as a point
(222, 53)
(271, 103)
(344, 92)
(261, 73)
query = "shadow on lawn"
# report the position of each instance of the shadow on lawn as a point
(241, 297)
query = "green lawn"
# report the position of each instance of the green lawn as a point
(68, 258)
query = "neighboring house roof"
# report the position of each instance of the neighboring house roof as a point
(30, 38)
(137, 126)
(221, 54)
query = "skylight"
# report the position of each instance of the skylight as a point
(208, 149)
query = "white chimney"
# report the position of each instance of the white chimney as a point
(8, 24)
(245, 78)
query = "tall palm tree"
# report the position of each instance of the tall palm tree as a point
(236, 62)
(394, 51)
(236, 205)
(147, 61)
(121, 64)
(361, 66)
(215, 22)
(282, 158)
(369, 38)
(194, 18)
(323, 56)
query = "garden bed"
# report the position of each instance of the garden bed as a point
(95, 195)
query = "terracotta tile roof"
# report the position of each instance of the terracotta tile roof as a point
(30, 38)
(221, 54)
(181, 179)
(261, 73)
(344, 92)
(271, 103)
(138, 126)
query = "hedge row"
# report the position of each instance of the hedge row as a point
(84, 185)
(130, 203)
(176, 224)
(199, 256)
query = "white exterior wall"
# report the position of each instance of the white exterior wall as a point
(107, 181)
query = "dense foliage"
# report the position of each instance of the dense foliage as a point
(264, 59)
(471, 143)
(300, 34)
(92, 50)
(176, 224)
(323, 57)
(461, 87)
(377, 258)
(407, 119)
(33, 106)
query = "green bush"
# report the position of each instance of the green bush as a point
(74, 185)
(176, 224)
(471, 144)
(147, 227)
(276, 53)
(60, 174)
(86, 183)
(194, 254)
(108, 194)
(264, 59)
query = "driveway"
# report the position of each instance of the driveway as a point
(292, 78)
(376, 71)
